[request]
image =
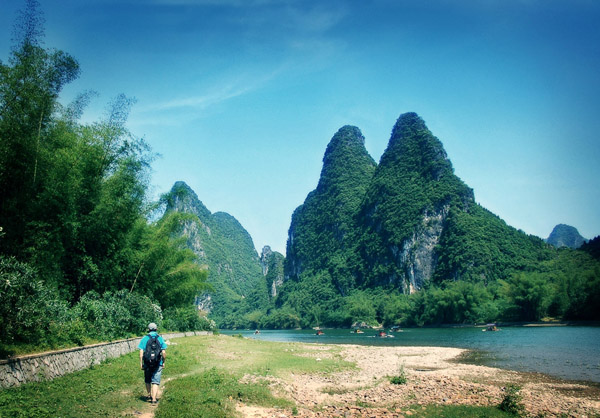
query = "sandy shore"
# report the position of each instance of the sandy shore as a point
(433, 377)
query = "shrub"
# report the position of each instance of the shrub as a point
(141, 310)
(400, 378)
(512, 401)
(187, 318)
(26, 304)
(34, 318)
(68, 333)
(116, 314)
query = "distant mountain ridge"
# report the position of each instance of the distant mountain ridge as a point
(565, 236)
(234, 268)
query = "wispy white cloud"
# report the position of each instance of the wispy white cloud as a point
(226, 3)
(202, 101)
(221, 92)
(293, 36)
(300, 16)
(317, 19)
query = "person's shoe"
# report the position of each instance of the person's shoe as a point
(154, 403)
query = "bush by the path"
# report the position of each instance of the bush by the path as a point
(34, 318)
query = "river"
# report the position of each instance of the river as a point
(567, 352)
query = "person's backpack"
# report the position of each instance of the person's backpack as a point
(152, 352)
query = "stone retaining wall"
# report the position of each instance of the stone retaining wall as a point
(46, 366)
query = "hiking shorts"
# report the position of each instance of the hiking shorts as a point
(153, 375)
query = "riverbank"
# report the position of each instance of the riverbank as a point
(218, 376)
(547, 350)
(433, 377)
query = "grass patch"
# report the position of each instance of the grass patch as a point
(105, 390)
(213, 393)
(512, 402)
(460, 411)
(400, 378)
(273, 359)
(116, 387)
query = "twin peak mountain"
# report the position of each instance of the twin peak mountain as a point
(402, 223)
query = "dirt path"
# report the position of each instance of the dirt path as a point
(433, 377)
(148, 410)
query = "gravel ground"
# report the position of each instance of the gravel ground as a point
(432, 377)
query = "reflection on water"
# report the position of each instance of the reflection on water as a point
(565, 352)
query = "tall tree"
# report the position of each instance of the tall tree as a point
(71, 193)
(29, 88)
(166, 268)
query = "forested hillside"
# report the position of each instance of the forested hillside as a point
(321, 229)
(272, 264)
(405, 208)
(219, 242)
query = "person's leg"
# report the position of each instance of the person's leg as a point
(154, 392)
(148, 381)
(156, 383)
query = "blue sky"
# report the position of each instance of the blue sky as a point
(241, 97)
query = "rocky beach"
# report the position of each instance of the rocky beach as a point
(434, 375)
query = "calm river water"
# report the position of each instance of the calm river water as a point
(571, 352)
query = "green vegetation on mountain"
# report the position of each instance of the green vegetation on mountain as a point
(592, 247)
(478, 246)
(409, 245)
(413, 186)
(321, 235)
(219, 242)
(322, 228)
(273, 269)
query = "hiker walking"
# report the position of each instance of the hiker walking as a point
(152, 360)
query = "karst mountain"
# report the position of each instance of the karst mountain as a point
(370, 235)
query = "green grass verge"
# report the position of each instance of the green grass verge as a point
(213, 393)
(116, 388)
(100, 391)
